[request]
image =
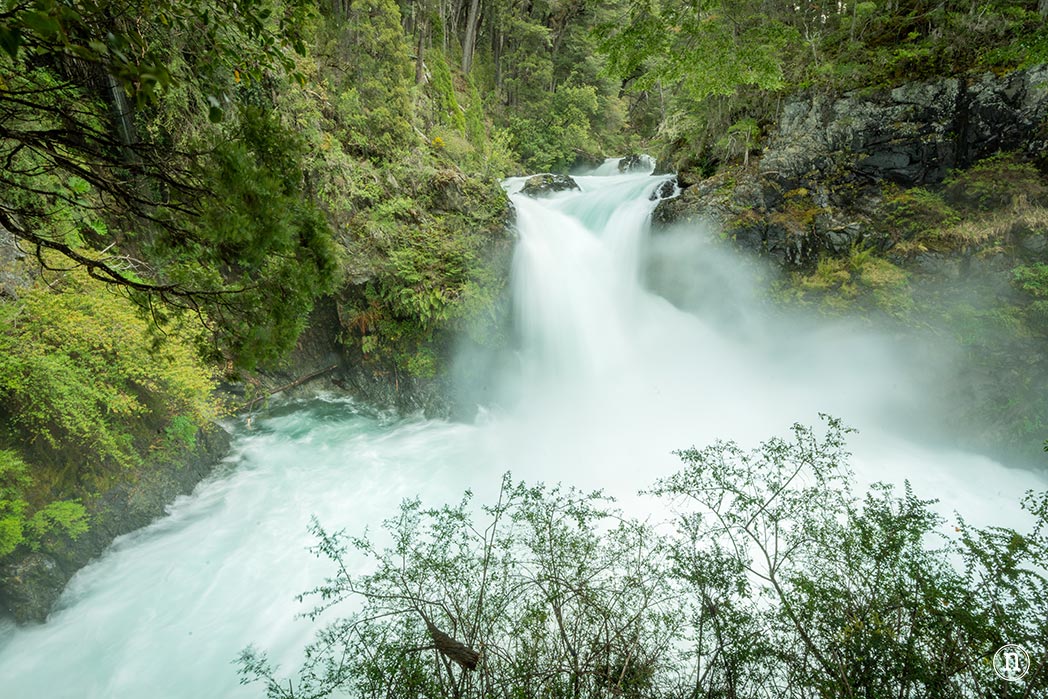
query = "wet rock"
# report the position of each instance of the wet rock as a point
(546, 184)
(585, 162)
(1036, 243)
(636, 162)
(664, 191)
(32, 585)
(913, 134)
(447, 190)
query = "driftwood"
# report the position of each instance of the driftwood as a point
(297, 382)
(450, 648)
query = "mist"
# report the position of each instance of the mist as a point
(633, 344)
(628, 345)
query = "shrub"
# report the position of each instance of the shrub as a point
(20, 523)
(995, 183)
(82, 370)
(774, 580)
(915, 212)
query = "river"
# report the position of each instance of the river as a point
(630, 347)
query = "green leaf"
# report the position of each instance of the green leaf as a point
(11, 40)
(42, 23)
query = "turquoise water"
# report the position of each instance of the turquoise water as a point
(611, 378)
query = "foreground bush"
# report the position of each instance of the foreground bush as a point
(776, 580)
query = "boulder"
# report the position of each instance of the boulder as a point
(32, 586)
(636, 162)
(665, 190)
(546, 184)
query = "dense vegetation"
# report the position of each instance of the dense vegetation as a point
(772, 578)
(709, 77)
(183, 180)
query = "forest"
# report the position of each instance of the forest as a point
(185, 182)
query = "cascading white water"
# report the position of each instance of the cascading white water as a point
(612, 378)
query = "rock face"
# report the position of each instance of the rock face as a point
(822, 176)
(14, 275)
(546, 184)
(636, 162)
(912, 134)
(664, 191)
(30, 585)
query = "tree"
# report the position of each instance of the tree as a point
(868, 598)
(776, 581)
(92, 174)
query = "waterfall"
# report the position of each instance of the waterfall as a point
(631, 345)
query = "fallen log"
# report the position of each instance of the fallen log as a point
(297, 382)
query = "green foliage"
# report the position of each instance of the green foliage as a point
(714, 50)
(79, 367)
(552, 140)
(995, 183)
(431, 274)
(277, 243)
(867, 595)
(20, 525)
(443, 90)
(1032, 280)
(699, 68)
(367, 67)
(221, 37)
(740, 138)
(181, 432)
(476, 131)
(774, 580)
(557, 590)
(916, 212)
(110, 148)
(862, 280)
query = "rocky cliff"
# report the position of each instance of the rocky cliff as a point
(827, 163)
(925, 205)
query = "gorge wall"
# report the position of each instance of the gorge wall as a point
(830, 159)
(924, 206)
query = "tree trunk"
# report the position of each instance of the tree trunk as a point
(420, 64)
(469, 42)
(496, 55)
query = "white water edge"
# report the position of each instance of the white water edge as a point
(611, 379)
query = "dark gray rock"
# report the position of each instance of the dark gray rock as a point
(15, 274)
(664, 191)
(1036, 243)
(636, 162)
(911, 135)
(546, 184)
(31, 584)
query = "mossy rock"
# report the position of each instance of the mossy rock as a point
(548, 183)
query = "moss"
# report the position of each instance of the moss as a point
(829, 273)
(916, 213)
(861, 280)
(798, 213)
(1032, 282)
(995, 183)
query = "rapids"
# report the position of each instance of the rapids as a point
(629, 347)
